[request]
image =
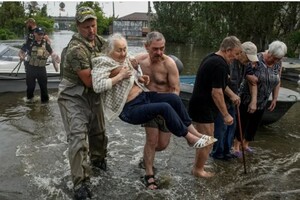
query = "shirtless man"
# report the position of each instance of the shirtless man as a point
(164, 77)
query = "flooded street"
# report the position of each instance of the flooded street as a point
(34, 164)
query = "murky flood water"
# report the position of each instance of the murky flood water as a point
(34, 162)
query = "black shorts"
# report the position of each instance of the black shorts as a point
(203, 114)
(157, 122)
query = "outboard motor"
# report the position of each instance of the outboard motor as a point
(178, 63)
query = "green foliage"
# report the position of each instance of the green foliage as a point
(10, 13)
(293, 44)
(44, 11)
(6, 34)
(173, 20)
(10, 10)
(207, 23)
(12, 17)
(253, 21)
(208, 29)
(73, 28)
(42, 19)
(46, 23)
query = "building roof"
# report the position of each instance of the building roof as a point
(137, 16)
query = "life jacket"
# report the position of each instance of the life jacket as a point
(39, 55)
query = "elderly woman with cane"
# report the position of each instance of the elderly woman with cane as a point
(252, 107)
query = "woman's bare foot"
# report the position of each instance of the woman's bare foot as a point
(236, 145)
(202, 173)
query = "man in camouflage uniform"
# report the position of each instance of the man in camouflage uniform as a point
(81, 108)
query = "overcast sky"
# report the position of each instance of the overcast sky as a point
(122, 8)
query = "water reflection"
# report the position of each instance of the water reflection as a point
(273, 171)
(189, 54)
(60, 39)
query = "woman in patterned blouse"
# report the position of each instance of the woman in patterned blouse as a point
(268, 72)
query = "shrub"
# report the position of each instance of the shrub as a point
(6, 34)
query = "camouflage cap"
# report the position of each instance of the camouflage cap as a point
(84, 13)
(29, 20)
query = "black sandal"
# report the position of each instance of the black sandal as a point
(142, 166)
(147, 183)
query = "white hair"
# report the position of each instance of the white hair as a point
(277, 49)
(111, 41)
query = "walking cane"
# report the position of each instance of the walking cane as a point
(241, 136)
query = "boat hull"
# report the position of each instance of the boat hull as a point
(286, 99)
(281, 108)
(17, 83)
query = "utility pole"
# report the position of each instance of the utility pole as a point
(113, 5)
(149, 8)
(149, 14)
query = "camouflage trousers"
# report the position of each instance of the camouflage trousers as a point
(84, 124)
